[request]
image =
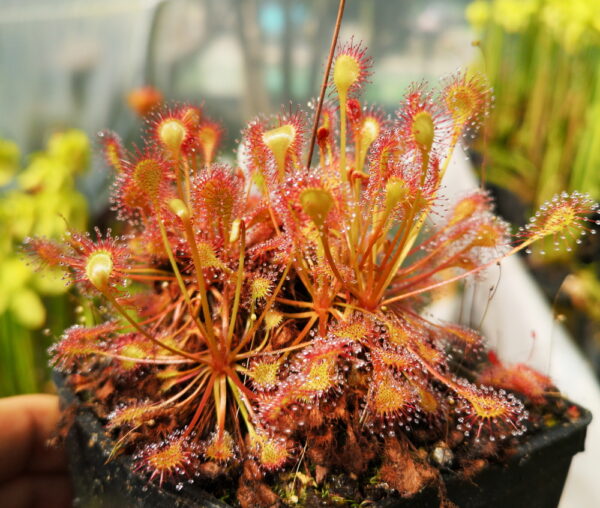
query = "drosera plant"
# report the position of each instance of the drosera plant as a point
(269, 317)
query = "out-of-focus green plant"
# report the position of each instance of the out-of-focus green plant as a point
(542, 58)
(39, 199)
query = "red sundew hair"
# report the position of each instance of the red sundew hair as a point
(396, 358)
(407, 170)
(372, 124)
(131, 415)
(219, 447)
(133, 346)
(359, 114)
(319, 368)
(465, 338)
(271, 406)
(264, 372)
(358, 329)
(280, 247)
(357, 52)
(314, 374)
(113, 151)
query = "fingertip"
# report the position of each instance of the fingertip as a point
(37, 491)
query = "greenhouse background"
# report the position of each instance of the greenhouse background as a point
(67, 69)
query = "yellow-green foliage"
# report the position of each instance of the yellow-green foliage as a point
(38, 200)
(573, 23)
(542, 58)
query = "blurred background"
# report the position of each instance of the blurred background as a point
(67, 68)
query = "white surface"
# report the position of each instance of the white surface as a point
(520, 324)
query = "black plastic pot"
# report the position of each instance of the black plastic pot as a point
(533, 478)
(99, 483)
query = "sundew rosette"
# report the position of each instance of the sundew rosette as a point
(271, 313)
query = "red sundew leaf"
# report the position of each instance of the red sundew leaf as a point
(257, 153)
(277, 250)
(368, 124)
(519, 378)
(272, 453)
(163, 461)
(209, 136)
(351, 67)
(144, 186)
(284, 143)
(317, 378)
(220, 447)
(470, 205)
(467, 99)
(264, 373)
(79, 342)
(563, 219)
(419, 103)
(357, 329)
(273, 405)
(114, 153)
(390, 397)
(45, 251)
(302, 199)
(318, 368)
(430, 401)
(396, 358)
(464, 336)
(186, 117)
(216, 200)
(84, 251)
(132, 415)
(485, 411)
(385, 153)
